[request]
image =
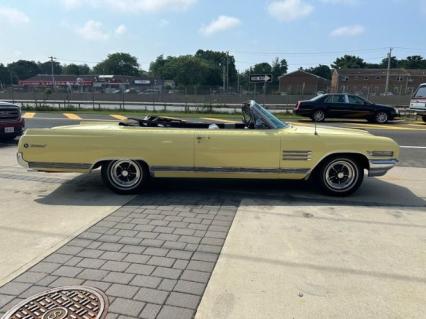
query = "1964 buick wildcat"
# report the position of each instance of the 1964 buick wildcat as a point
(260, 147)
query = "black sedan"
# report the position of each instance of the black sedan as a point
(345, 106)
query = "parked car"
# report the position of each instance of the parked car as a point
(259, 147)
(11, 122)
(418, 101)
(345, 106)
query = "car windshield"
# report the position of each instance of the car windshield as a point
(421, 92)
(270, 118)
(315, 98)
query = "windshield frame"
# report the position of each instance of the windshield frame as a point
(421, 87)
(258, 111)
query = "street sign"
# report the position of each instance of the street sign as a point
(261, 78)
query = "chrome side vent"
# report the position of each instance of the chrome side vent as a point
(297, 155)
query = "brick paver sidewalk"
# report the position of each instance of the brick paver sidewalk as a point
(153, 257)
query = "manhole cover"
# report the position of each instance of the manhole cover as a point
(62, 303)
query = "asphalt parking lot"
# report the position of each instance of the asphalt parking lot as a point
(220, 249)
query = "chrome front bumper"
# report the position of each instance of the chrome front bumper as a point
(21, 161)
(381, 167)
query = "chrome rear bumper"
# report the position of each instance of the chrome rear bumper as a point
(381, 167)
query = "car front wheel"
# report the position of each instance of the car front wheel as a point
(381, 117)
(339, 176)
(125, 176)
(318, 116)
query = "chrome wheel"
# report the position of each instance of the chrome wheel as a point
(381, 117)
(341, 175)
(318, 116)
(125, 174)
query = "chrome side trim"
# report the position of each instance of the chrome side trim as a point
(297, 155)
(241, 170)
(381, 167)
(68, 166)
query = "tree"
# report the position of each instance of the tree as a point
(4, 76)
(185, 70)
(46, 67)
(321, 70)
(262, 68)
(118, 64)
(74, 69)
(349, 62)
(279, 67)
(394, 63)
(414, 62)
(373, 66)
(218, 61)
(22, 70)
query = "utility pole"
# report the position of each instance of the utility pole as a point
(238, 81)
(227, 70)
(388, 71)
(52, 61)
(224, 77)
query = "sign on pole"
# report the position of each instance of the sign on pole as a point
(261, 78)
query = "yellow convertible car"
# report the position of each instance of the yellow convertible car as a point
(260, 147)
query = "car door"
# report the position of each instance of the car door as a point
(336, 105)
(169, 152)
(236, 153)
(358, 107)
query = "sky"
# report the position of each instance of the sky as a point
(304, 32)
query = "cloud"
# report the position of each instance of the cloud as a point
(120, 30)
(13, 16)
(348, 31)
(93, 31)
(220, 24)
(132, 5)
(289, 10)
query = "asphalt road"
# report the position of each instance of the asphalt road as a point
(410, 136)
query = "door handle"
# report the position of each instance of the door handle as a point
(199, 138)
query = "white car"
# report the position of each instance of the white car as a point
(418, 101)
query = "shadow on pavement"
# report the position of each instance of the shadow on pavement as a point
(87, 190)
(8, 143)
(83, 190)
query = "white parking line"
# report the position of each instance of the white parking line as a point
(414, 147)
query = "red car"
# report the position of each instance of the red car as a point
(11, 122)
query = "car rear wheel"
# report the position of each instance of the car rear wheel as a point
(339, 176)
(125, 176)
(381, 117)
(318, 116)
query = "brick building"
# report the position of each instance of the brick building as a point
(301, 83)
(370, 82)
(105, 83)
